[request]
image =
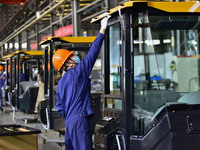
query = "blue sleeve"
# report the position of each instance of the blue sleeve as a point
(88, 62)
(59, 105)
(2, 80)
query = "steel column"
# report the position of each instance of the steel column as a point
(74, 18)
(53, 18)
(28, 47)
(19, 42)
(18, 78)
(11, 72)
(127, 87)
(38, 36)
(13, 43)
(51, 84)
(46, 70)
(8, 48)
(15, 72)
(7, 75)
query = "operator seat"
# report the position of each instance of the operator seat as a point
(29, 96)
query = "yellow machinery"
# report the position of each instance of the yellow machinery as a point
(150, 61)
(18, 137)
(12, 88)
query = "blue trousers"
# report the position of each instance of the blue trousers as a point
(78, 135)
(1, 97)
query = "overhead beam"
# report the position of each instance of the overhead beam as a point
(31, 23)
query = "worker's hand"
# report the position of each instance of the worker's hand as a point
(2, 77)
(104, 24)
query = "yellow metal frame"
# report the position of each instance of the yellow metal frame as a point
(182, 7)
(7, 56)
(1, 59)
(78, 39)
(30, 53)
(34, 53)
(171, 7)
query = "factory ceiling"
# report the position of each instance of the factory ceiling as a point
(27, 21)
(12, 17)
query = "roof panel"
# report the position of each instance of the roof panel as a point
(78, 39)
(171, 7)
(31, 53)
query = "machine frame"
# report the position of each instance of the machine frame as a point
(14, 60)
(124, 15)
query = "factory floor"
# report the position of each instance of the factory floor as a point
(6, 118)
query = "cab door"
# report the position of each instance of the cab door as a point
(117, 74)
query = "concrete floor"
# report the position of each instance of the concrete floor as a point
(7, 118)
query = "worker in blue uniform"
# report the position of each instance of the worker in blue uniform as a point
(23, 75)
(73, 93)
(2, 83)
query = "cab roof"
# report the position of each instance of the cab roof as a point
(170, 7)
(78, 39)
(30, 53)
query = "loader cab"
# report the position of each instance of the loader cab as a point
(20, 81)
(151, 62)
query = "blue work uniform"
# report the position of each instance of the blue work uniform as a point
(2, 83)
(23, 77)
(74, 101)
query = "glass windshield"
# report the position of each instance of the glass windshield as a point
(165, 64)
(115, 58)
(115, 65)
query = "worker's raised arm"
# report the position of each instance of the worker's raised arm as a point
(89, 60)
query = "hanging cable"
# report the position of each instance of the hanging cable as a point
(121, 18)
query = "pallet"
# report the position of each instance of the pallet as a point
(52, 136)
